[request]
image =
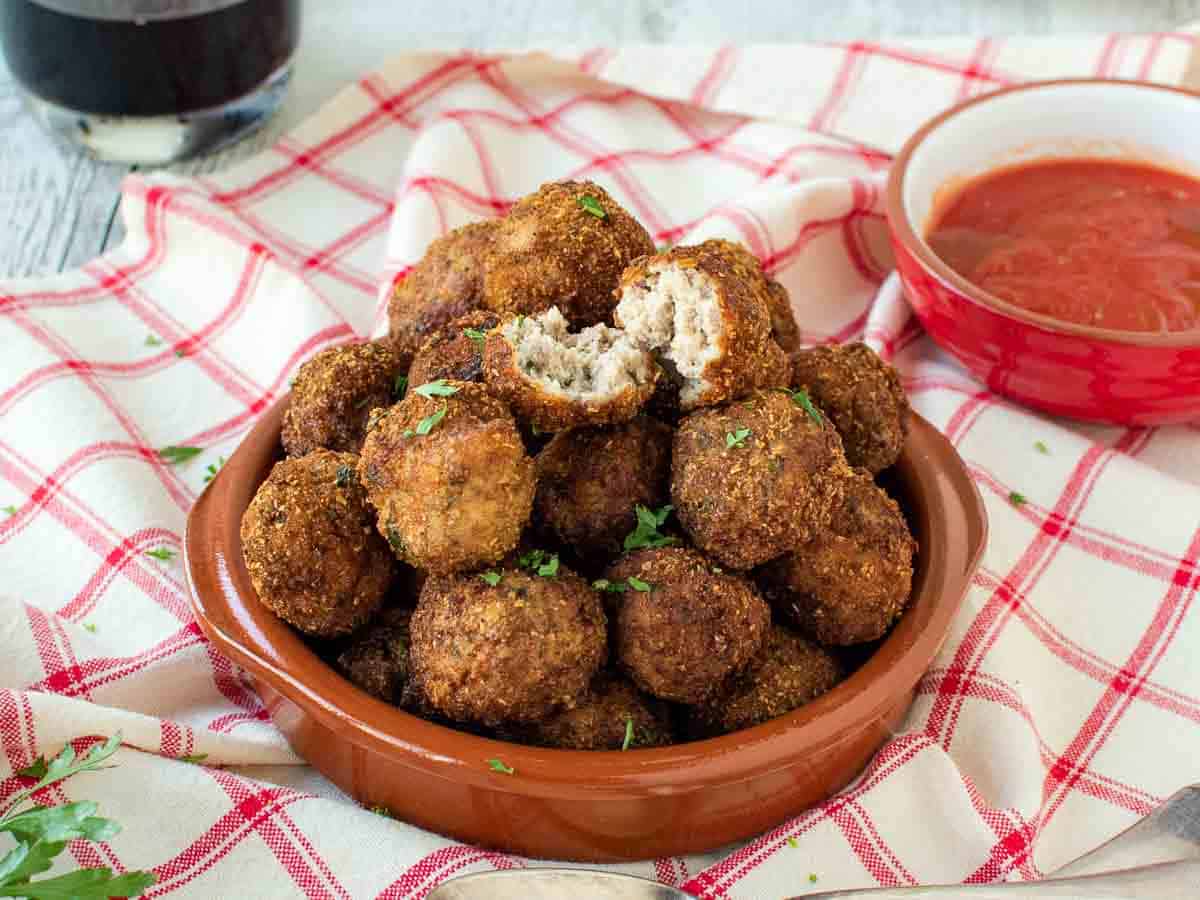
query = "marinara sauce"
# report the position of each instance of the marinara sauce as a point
(1106, 243)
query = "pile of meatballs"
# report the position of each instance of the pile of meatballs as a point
(587, 494)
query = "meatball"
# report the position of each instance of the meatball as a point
(590, 479)
(564, 246)
(757, 478)
(446, 284)
(784, 329)
(334, 393)
(455, 352)
(377, 659)
(705, 309)
(848, 584)
(613, 715)
(683, 625)
(788, 672)
(310, 546)
(556, 379)
(863, 396)
(447, 472)
(513, 651)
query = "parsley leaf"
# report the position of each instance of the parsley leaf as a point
(90, 626)
(401, 386)
(212, 468)
(1040, 447)
(476, 335)
(793, 843)
(1016, 498)
(638, 585)
(174, 456)
(181, 353)
(625, 744)
(343, 477)
(382, 811)
(492, 578)
(439, 388)
(161, 553)
(812, 877)
(497, 765)
(590, 204)
(736, 438)
(394, 540)
(153, 340)
(612, 587)
(646, 533)
(549, 568)
(10, 510)
(800, 398)
(532, 559)
(193, 758)
(427, 424)
(36, 769)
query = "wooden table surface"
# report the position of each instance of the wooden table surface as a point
(60, 209)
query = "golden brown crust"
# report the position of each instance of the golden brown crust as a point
(333, 394)
(589, 480)
(310, 546)
(446, 284)
(768, 493)
(694, 627)
(788, 672)
(550, 251)
(458, 496)
(849, 584)
(546, 411)
(863, 396)
(513, 652)
(451, 353)
(599, 721)
(784, 329)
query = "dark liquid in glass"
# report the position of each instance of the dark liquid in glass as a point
(160, 67)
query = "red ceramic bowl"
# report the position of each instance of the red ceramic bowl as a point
(1066, 369)
(574, 805)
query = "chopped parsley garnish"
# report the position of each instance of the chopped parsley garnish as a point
(612, 587)
(520, 320)
(476, 335)
(625, 744)
(153, 340)
(1040, 447)
(394, 540)
(638, 585)
(376, 416)
(1016, 498)
(36, 769)
(646, 533)
(344, 474)
(800, 398)
(590, 204)
(193, 758)
(549, 568)
(401, 386)
(439, 388)
(10, 510)
(161, 553)
(545, 564)
(381, 811)
(497, 765)
(812, 877)
(736, 438)
(793, 843)
(212, 468)
(90, 626)
(174, 456)
(492, 578)
(180, 352)
(427, 424)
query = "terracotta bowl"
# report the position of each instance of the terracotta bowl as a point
(1079, 371)
(573, 805)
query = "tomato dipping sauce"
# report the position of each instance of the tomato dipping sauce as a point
(1099, 242)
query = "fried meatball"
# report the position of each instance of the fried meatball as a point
(788, 672)
(446, 284)
(706, 309)
(612, 710)
(310, 546)
(784, 329)
(556, 379)
(564, 246)
(863, 396)
(334, 393)
(448, 476)
(377, 659)
(590, 479)
(455, 352)
(515, 651)
(848, 584)
(684, 626)
(755, 479)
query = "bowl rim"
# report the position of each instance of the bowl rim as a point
(242, 629)
(904, 231)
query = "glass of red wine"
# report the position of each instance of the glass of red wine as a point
(151, 81)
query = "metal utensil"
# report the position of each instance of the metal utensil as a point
(1156, 859)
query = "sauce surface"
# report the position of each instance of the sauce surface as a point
(1105, 243)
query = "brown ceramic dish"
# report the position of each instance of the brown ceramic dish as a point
(574, 805)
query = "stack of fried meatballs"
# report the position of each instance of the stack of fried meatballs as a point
(630, 508)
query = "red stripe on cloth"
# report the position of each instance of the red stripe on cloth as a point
(425, 874)
(1153, 47)
(718, 72)
(847, 75)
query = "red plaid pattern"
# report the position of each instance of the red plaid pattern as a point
(1064, 705)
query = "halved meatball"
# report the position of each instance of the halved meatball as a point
(447, 283)
(310, 546)
(515, 650)
(757, 478)
(849, 584)
(449, 477)
(613, 715)
(333, 395)
(555, 379)
(566, 246)
(684, 626)
(863, 396)
(788, 672)
(455, 352)
(591, 479)
(705, 309)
